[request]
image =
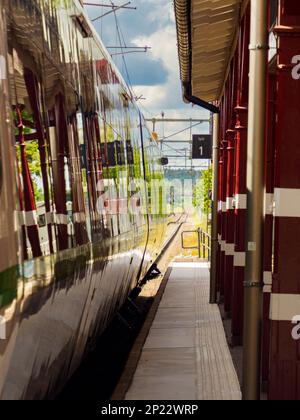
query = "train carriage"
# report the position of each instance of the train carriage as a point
(77, 163)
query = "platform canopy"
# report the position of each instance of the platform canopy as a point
(207, 33)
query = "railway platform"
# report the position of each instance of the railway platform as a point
(182, 353)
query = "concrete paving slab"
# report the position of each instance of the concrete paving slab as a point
(163, 388)
(172, 318)
(166, 362)
(186, 355)
(170, 338)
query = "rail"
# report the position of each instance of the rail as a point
(203, 243)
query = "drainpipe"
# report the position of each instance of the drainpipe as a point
(189, 98)
(214, 235)
(255, 187)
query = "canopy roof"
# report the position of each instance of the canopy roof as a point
(207, 33)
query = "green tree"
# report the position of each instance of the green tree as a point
(33, 158)
(34, 163)
(202, 192)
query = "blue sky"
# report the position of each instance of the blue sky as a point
(155, 75)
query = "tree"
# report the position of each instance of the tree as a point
(202, 192)
(33, 158)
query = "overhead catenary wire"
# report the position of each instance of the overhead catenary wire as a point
(114, 9)
(120, 40)
(122, 46)
(181, 131)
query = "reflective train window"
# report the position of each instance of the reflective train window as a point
(49, 165)
(1, 174)
(32, 159)
(2, 78)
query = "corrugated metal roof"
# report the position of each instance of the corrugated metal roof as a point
(206, 34)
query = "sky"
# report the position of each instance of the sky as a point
(155, 74)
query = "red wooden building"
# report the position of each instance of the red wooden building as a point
(241, 60)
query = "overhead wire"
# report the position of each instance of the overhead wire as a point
(121, 40)
(182, 131)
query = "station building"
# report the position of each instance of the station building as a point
(241, 60)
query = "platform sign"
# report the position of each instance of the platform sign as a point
(202, 146)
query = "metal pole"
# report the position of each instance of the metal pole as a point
(163, 125)
(215, 198)
(154, 124)
(199, 243)
(191, 144)
(255, 186)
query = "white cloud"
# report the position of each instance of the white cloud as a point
(163, 43)
(154, 25)
(168, 97)
(164, 47)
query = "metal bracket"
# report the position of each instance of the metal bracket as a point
(250, 285)
(258, 47)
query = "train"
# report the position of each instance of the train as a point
(83, 215)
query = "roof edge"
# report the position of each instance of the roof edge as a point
(183, 23)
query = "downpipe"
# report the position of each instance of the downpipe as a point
(255, 201)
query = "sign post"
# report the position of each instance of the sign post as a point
(202, 146)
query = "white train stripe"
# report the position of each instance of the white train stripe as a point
(269, 204)
(79, 217)
(284, 307)
(287, 202)
(49, 218)
(21, 218)
(61, 219)
(31, 218)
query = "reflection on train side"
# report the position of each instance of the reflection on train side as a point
(81, 154)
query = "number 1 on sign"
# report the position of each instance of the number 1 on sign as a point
(201, 150)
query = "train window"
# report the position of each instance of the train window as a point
(52, 198)
(32, 159)
(77, 199)
(1, 174)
